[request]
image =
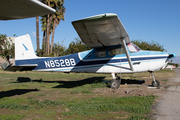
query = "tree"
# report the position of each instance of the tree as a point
(50, 21)
(154, 46)
(44, 44)
(37, 33)
(57, 17)
(77, 46)
(58, 50)
(6, 48)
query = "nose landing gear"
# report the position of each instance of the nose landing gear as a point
(155, 83)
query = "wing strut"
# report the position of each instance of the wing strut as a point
(127, 54)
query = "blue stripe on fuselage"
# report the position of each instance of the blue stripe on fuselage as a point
(73, 60)
(51, 62)
(105, 61)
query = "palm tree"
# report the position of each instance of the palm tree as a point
(57, 17)
(37, 33)
(43, 28)
(50, 22)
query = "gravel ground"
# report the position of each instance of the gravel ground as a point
(168, 107)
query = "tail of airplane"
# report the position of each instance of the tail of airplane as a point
(24, 48)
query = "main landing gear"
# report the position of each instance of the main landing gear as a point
(115, 83)
(155, 83)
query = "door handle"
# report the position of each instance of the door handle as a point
(136, 63)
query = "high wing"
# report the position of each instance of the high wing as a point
(19, 9)
(101, 30)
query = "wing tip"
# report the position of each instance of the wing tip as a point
(94, 17)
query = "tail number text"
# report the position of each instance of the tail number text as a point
(60, 63)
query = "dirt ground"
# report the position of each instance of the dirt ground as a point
(128, 91)
(134, 87)
(168, 105)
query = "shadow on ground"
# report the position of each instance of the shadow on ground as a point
(65, 84)
(72, 84)
(132, 81)
(16, 92)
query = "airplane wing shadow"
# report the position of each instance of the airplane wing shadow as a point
(72, 84)
(15, 92)
(65, 84)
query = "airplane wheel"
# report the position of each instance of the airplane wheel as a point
(114, 84)
(157, 83)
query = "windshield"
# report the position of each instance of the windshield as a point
(133, 48)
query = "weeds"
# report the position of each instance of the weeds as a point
(14, 104)
(165, 80)
(134, 104)
(43, 104)
(138, 118)
(86, 91)
(10, 117)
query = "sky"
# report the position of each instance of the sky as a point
(147, 20)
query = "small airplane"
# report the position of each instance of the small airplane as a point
(112, 52)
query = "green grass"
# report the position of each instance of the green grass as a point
(69, 96)
(138, 118)
(165, 80)
(13, 103)
(43, 104)
(11, 117)
(136, 105)
(98, 105)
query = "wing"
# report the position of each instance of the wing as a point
(26, 67)
(19, 9)
(101, 30)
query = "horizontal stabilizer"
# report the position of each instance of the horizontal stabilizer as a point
(28, 67)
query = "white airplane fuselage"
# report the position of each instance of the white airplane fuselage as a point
(87, 61)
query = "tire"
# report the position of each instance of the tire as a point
(114, 84)
(157, 83)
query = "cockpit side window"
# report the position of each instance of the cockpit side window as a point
(89, 55)
(115, 51)
(100, 53)
(133, 48)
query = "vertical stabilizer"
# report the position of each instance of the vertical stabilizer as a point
(24, 48)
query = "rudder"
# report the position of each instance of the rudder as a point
(24, 48)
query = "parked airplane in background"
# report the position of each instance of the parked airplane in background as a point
(112, 52)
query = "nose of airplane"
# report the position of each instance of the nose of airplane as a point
(171, 55)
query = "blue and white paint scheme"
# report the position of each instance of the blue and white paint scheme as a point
(98, 60)
(112, 52)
